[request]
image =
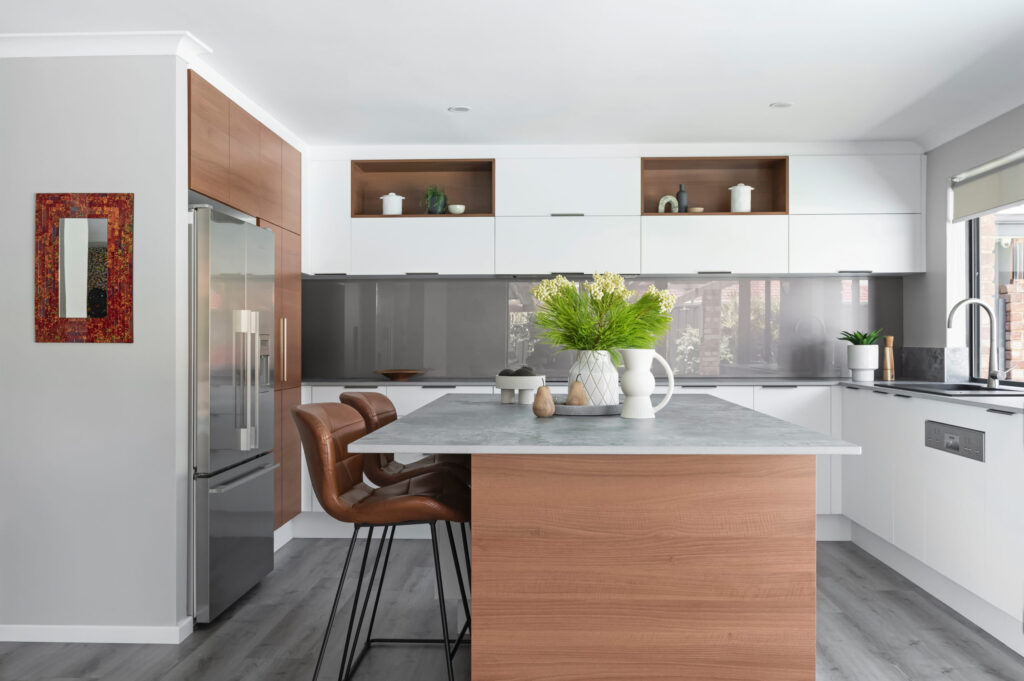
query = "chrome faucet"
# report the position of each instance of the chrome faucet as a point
(994, 374)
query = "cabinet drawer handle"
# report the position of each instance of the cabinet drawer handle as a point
(567, 215)
(778, 387)
(695, 387)
(1000, 411)
(445, 387)
(421, 274)
(714, 271)
(851, 387)
(855, 271)
(567, 274)
(905, 397)
(285, 335)
(238, 482)
(880, 392)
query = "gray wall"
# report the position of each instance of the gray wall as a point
(929, 297)
(94, 449)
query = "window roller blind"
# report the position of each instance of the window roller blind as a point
(989, 188)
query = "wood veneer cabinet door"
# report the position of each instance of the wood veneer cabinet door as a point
(289, 305)
(270, 176)
(208, 139)
(278, 459)
(291, 455)
(244, 161)
(291, 162)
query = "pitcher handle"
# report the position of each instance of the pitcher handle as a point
(671, 383)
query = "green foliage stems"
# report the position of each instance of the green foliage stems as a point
(859, 338)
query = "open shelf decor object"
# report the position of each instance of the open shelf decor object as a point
(83, 255)
(465, 182)
(708, 179)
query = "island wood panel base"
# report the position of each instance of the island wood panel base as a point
(589, 568)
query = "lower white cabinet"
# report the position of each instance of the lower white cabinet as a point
(440, 245)
(808, 406)
(960, 517)
(586, 244)
(867, 478)
(739, 244)
(826, 244)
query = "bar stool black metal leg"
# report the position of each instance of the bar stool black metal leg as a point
(337, 597)
(366, 603)
(465, 552)
(440, 600)
(380, 586)
(355, 604)
(458, 570)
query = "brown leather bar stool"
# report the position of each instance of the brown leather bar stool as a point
(326, 430)
(382, 469)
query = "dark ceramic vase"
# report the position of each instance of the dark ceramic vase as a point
(682, 198)
(437, 205)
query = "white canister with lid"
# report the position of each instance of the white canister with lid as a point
(392, 203)
(741, 198)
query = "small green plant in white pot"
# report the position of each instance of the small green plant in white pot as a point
(862, 354)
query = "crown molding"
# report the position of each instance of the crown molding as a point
(139, 43)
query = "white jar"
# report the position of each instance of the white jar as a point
(392, 203)
(741, 198)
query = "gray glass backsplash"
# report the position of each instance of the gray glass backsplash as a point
(472, 328)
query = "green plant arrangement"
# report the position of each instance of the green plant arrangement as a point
(436, 200)
(859, 338)
(602, 314)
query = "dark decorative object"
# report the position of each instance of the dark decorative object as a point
(436, 200)
(108, 304)
(682, 199)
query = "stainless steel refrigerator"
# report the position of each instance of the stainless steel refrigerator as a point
(232, 420)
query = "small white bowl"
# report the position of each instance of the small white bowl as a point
(456, 208)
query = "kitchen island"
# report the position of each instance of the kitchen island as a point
(605, 548)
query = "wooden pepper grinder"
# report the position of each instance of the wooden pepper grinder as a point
(888, 366)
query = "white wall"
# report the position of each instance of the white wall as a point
(927, 299)
(94, 452)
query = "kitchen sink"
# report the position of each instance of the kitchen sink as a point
(957, 389)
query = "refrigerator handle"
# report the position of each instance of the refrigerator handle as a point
(254, 378)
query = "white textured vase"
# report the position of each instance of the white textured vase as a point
(638, 383)
(862, 360)
(594, 369)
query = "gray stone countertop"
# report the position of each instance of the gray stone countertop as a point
(689, 424)
(1009, 404)
(429, 382)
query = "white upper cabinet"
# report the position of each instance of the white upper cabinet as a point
(552, 186)
(827, 185)
(441, 245)
(738, 244)
(567, 244)
(827, 244)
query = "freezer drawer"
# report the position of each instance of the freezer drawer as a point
(234, 534)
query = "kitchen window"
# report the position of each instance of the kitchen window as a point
(996, 276)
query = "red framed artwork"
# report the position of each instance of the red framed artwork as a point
(84, 268)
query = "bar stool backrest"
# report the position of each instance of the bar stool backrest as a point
(326, 430)
(377, 411)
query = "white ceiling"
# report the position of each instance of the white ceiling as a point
(593, 71)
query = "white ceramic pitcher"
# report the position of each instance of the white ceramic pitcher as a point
(638, 383)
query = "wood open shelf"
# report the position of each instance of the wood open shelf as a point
(708, 179)
(466, 181)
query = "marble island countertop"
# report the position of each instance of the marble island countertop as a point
(689, 424)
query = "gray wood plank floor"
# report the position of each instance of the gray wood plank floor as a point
(873, 625)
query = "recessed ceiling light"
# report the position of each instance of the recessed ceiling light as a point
(780, 105)
(459, 108)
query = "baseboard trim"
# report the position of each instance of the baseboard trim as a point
(47, 633)
(1000, 625)
(319, 525)
(833, 528)
(283, 535)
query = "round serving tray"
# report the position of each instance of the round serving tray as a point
(562, 409)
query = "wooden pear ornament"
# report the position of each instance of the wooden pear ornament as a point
(543, 403)
(577, 395)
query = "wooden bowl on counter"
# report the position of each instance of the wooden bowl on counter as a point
(400, 374)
